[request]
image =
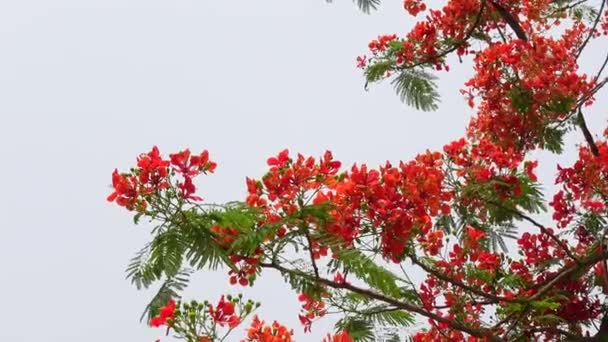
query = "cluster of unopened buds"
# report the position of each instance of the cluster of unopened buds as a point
(200, 322)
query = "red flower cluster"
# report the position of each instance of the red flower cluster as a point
(259, 332)
(399, 201)
(224, 313)
(583, 185)
(525, 87)
(447, 27)
(190, 166)
(165, 315)
(311, 308)
(413, 7)
(339, 337)
(289, 180)
(381, 44)
(247, 268)
(152, 175)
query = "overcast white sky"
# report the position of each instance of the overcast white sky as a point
(87, 85)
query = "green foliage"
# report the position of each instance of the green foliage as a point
(502, 210)
(360, 330)
(170, 289)
(377, 71)
(367, 270)
(483, 275)
(360, 323)
(594, 224)
(511, 281)
(417, 88)
(553, 138)
(393, 338)
(186, 237)
(390, 317)
(201, 250)
(162, 256)
(140, 271)
(498, 233)
(366, 6)
(561, 105)
(521, 99)
(584, 12)
(531, 198)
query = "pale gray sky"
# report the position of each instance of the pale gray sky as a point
(87, 85)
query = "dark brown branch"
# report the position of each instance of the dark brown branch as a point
(444, 277)
(312, 255)
(592, 92)
(564, 272)
(592, 30)
(588, 137)
(404, 305)
(542, 228)
(510, 20)
(568, 335)
(599, 73)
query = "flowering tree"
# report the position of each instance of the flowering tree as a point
(346, 240)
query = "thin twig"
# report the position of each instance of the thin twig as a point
(592, 30)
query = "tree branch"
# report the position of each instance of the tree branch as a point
(510, 20)
(588, 137)
(404, 305)
(542, 228)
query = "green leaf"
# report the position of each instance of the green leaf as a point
(377, 71)
(366, 6)
(170, 289)
(359, 330)
(416, 88)
(497, 235)
(367, 270)
(544, 305)
(383, 316)
(162, 256)
(553, 139)
(521, 99)
(200, 248)
(393, 338)
(166, 252)
(584, 12)
(140, 271)
(137, 217)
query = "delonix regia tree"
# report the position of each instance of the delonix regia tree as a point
(347, 239)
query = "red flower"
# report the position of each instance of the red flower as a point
(340, 337)
(473, 236)
(224, 314)
(166, 312)
(190, 166)
(279, 161)
(259, 332)
(153, 170)
(361, 62)
(125, 192)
